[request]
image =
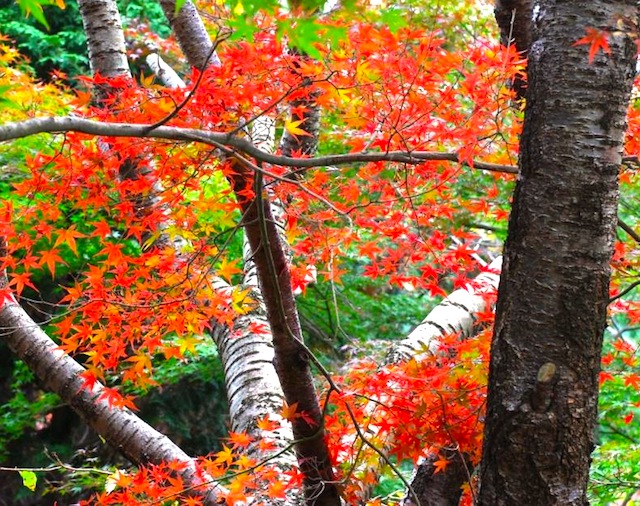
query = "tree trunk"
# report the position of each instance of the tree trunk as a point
(444, 488)
(191, 33)
(105, 39)
(545, 357)
(455, 314)
(121, 428)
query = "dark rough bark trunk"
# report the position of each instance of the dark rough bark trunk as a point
(553, 294)
(444, 488)
(514, 20)
(291, 358)
(304, 108)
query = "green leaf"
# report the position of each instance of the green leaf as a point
(34, 7)
(3, 90)
(304, 34)
(29, 479)
(243, 29)
(179, 4)
(394, 19)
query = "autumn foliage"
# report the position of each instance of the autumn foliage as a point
(126, 296)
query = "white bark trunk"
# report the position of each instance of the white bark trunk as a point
(253, 388)
(454, 314)
(164, 72)
(105, 39)
(191, 34)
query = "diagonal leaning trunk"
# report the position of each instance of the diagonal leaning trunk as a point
(554, 290)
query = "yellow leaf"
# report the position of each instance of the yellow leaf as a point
(146, 82)
(228, 269)
(188, 343)
(225, 455)
(240, 301)
(293, 127)
(29, 479)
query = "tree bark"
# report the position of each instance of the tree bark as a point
(456, 313)
(105, 38)
(444, 488)
(191, 34)
(120, 428)
(253, 387)
(291, 357)
(545, 357)
(60, 373)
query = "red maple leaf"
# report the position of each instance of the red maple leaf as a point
(596, 39)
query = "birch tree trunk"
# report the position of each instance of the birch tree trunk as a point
(455, 314)
(105, 38)
(554, 289)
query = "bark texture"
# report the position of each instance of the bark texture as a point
(191, 33)
(554, 289)
(304, 108)
(105, 39)
(444, 488)
(253, 387)
(456, 313)
(291, 358)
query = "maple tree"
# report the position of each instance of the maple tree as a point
(398, 138)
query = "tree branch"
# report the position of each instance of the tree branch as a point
(62, 124)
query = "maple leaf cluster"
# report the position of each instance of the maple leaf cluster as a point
(409, 410)
(99, 218)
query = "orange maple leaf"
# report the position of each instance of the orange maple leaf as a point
(277, 490)
(51, 258)
(20, 280)
(89, 380)
(440, 465)
(289, 411)
(116, 400)
(240, 439)
(228, 269)
(266, 424)
(69, 237)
